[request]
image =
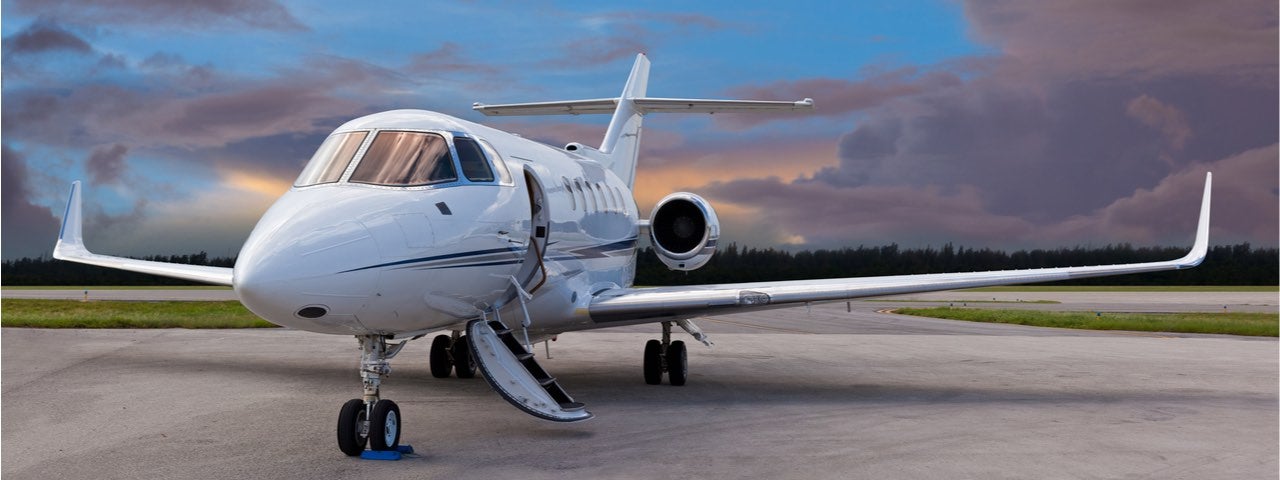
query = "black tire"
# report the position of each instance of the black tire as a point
(441, 366)
(349, 439)
(384, 426)
(653, 362)
(463, 364)
(677, 363)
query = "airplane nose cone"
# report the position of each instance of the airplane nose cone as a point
(293, 275)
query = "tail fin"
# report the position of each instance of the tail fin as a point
(621, 142)
(621, 145)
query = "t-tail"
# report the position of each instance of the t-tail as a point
(621, 145)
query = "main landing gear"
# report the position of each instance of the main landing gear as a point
(371, 420)
(452, 353)
(667, 357)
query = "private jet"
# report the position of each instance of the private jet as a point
(409, 222)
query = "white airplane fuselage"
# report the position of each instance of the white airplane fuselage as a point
(396, 260)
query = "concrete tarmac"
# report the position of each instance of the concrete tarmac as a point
(897, 397)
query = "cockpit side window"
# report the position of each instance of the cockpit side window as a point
(504, 175)
(406, 159)
(331, 159)
(474, 166)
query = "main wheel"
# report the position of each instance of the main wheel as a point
(653, 362)
(349, 419)
(384, 425)
(462, 362)
(677, 363)
(440, 363)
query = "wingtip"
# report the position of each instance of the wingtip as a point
(1200, 248)
(69, 235)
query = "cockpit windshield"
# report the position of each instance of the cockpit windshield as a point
(405, 159)
(327, 165)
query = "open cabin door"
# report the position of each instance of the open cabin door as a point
(532, 272)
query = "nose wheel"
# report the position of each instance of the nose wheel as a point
(666, 356)
(371, 420)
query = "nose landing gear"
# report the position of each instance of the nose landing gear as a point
(371, 420)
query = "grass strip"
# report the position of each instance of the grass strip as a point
(911, 300)
(1231, 323)
(121, 314)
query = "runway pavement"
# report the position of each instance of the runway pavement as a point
(893, 397)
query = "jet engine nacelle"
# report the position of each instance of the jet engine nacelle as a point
(684, 230)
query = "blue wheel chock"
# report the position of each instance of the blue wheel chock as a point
(387, 454)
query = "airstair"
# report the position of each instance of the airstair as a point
(512, 371)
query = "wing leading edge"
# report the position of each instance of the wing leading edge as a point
(629, 305)
(71, 248)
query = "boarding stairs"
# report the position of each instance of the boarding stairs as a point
(512, 371)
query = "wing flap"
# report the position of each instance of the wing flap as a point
(70, 247)
(631, 304)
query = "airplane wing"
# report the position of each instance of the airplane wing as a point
(71, 248)
(630, 305)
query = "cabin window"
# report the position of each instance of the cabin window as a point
(595, 190)
(588, 200)
(331, 159)
(474, 165)
(622, 202)
(406, 159)
(568, 188)
(608, 199)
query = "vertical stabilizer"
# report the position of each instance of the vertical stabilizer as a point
(622, 140)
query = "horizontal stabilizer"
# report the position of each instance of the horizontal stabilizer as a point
(567, 107)
(643, 105)
(698, 105)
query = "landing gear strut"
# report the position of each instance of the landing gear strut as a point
(371, 420)
(667, 357)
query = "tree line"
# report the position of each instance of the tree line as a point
(1225, 265)
(1239, 264)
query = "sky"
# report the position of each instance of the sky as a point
(985, 124)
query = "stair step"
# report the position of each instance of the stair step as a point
(572, 406)
(546, 381)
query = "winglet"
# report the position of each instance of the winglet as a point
(70, 247)
(1201, 247)
(70, 236)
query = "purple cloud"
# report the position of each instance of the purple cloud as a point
(43, 37)
(38, 227)
(106, 163)
(1072, 135)
(836, 97)
(260, 14)
(448, 60)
